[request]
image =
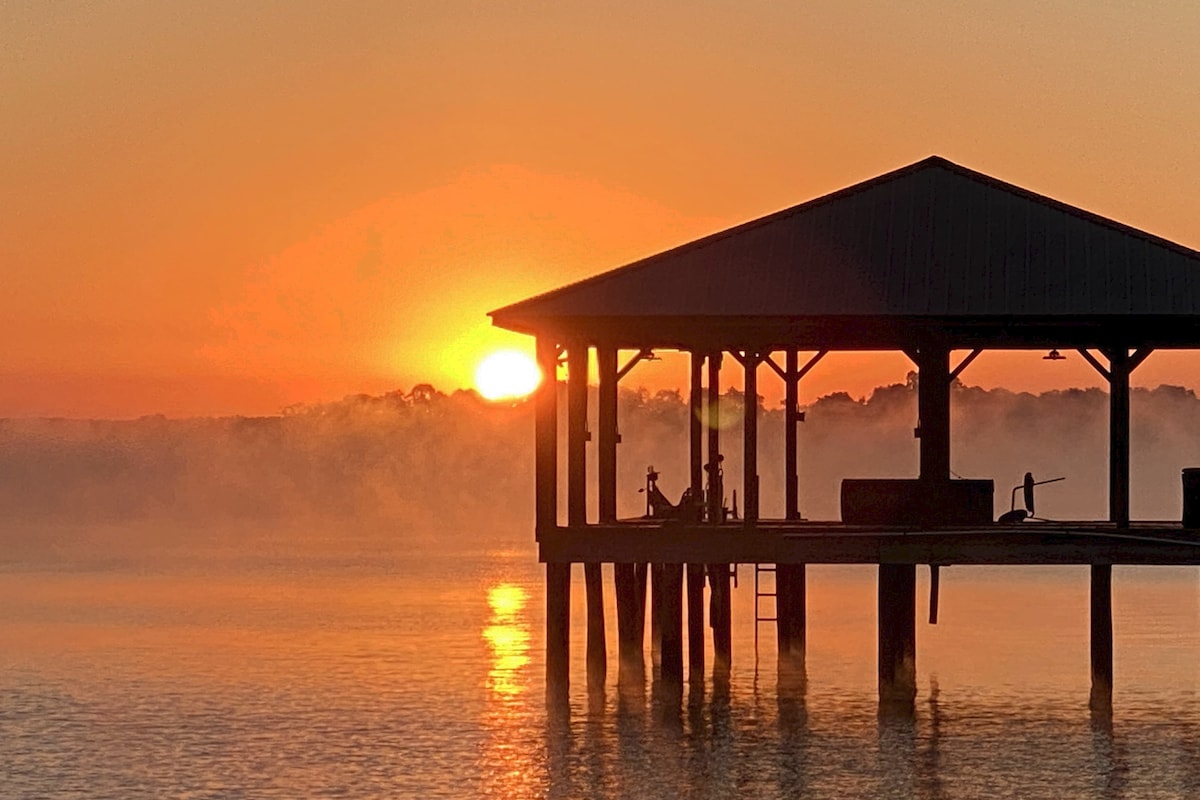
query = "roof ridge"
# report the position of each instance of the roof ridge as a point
(741, 227)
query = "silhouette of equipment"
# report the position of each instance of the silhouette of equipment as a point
(689, 508)
(1016, 515)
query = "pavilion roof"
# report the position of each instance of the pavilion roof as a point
(932, 240)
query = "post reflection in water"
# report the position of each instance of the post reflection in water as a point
(507, 764)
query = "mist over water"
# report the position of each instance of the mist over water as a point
(459, 465)
(345, 600)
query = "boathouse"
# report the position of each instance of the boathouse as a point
(933, 260)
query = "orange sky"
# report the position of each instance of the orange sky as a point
(215, 209)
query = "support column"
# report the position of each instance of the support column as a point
(897, 635)
(695, 624)
(1118, 439)
(719, 614)
(721, 618)
(546, 435)
(790, 616)
(672, 624)
(558, 576)
(750, 438)
(715, 489)
(696, 427)
(558, 632)
(631, 663)
(791, 403)
(606, 454)
(1100, 697)
(577, 388)
(933, 409)
(656, 615)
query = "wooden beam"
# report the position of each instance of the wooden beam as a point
(546, 435)
(782, 372)
(645, 352)
(606, 454)
(812, 362)
(1095, 362)
(966, 362)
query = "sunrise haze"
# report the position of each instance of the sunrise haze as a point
(211, 209)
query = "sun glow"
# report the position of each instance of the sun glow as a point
(507, 374)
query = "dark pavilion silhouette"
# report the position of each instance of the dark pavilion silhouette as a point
(926, 260)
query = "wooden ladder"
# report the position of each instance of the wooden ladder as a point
(759, 595)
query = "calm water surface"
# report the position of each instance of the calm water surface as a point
(356, 667)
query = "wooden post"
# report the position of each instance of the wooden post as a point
(1118, 438)
(546, 434)
(715, 489)
(577, 364)
(558, 576)
(719, 613)
(606, 454)
(1100, 697)
(721, 618)
(933, 409)
(897, 635)
(656, 614)
(672, 624)
(577, 387)
(631, 665)
(790, 618)
(558, 632)
(696, 427)
(695, 615)
(791, 612)
(791, 422)
(750, 438)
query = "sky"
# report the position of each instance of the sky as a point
(227, 208)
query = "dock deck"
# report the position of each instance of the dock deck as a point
(817, 542)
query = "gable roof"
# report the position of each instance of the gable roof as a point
(932, 239)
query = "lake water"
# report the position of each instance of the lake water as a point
(357, 666)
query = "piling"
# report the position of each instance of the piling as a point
(695, 617)
(790, 618)
(720, 617)
(1100, 698)
(597, 655)
(897, 635)
(672, 624)
(631, 664)
(558, 632)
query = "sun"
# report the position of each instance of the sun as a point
(507, 374)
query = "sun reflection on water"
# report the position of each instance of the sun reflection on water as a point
(507, 634)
